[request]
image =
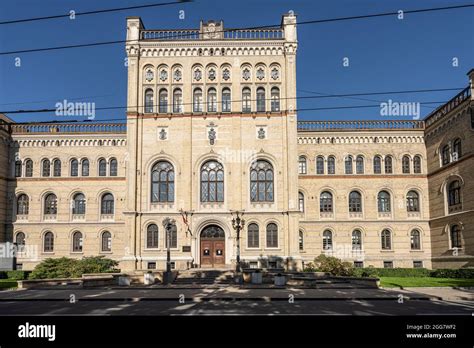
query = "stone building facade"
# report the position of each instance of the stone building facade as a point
(212, 130)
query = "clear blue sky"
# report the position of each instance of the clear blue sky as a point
(385, 53)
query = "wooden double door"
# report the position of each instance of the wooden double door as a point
(212, 247)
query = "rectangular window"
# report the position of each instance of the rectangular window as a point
(272, 264)
(253, 264)
(388, 264)
(151, 265)
(358, 264)
(173, 265)
(417, 264)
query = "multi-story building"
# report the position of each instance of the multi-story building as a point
(212, 129)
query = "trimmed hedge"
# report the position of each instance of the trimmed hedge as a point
(463, 273)
(3, 275)
(466, 273)
(17, 275)
(72, 268)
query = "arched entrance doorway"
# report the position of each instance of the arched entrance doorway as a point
(212, 246)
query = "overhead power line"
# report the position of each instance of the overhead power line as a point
(316, 21)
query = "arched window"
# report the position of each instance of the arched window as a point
(22, 205)
(413, 201)
(331, 165)
(302, 168)
(417, 164)
(79, 204)
(301, 240)
(18, 168)
(152, 236)
(113, 167)
(163, 101)
(212, 182)
(48, 242)
(77, 241)
(388, 165)
(415, 240)
(457, 150)
(360, 164)
(348, 164)
(272, 235)
(320, 165)
(106, 244)
(253, 236)
(46, 166)
(386, 239)
(445, 155)
(356, 240)
(197, 100)
(455, 235)
(246, 100)
(275, 99)
(162, 182)
(28, 168)
(378, 165)
(20, 241)
(325, 202)
(383, 202)
(355, 202)
(173, 238)
(107, 204)
(327, 240)
(57, 167)
(149, 100)
(177, 101)
(226, 100)
(406, 164)
(260, 99)
(50, 204)
(261, 181)
(301, 201)
(211, 100)
(102, 167)
(74, 167)
(454, 193)
(85, 167)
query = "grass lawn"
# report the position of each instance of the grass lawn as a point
(392, 282)
(8, 283)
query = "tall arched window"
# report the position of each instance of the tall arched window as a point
(413, 201)
(162, 182)
(79, 204)
(386, 239)
(348, 164)
(106, 243)
(327, 240)
(48, 242)
(163, 101)
(261, 99)
(152, 236)
(275, 99)
(325, 202)
(302, 167)
(272, 235)
(22, 205)
(454, 193)
(406, 164)
(85, 167)
(388, 165)
(301, 240)
(212, 182)
(320, 165)
(57, 167)
(417, 164)
(177, 101)
(77, 241)
(457, 149)
(18, 168)
(301, 201)
(107, 204)
(356, 240)
(226, 100)
(28, 168)
(415, 240)
(253, 236)
(74, 167)
(149, 100)
(46, 167)
(359, 164)
(197, 100)
(102, 167)
(211, 100)
(261, 181)
(445, 157)
(50, 204)
(355, 202)
(378, 165)
(20, 241)
(113, 167)
(331, 165)
(246, 100)
(455, 236)
(383, 202)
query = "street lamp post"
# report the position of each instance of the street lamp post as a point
(168, 224)
(238, 224)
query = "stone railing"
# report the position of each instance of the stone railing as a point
(227, 34)
(254, 34)
(42, 128)
(171, 35)
(359, 125)
(465, 94)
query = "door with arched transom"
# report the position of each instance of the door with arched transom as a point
(212, 246)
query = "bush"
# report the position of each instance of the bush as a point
(310, 267)
(466, 273)
(72, 268)
(98, 264)
(333, 266)
(3, 275)
(17, 275)
(391, 272)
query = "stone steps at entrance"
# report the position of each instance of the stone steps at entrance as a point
(205, 277)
